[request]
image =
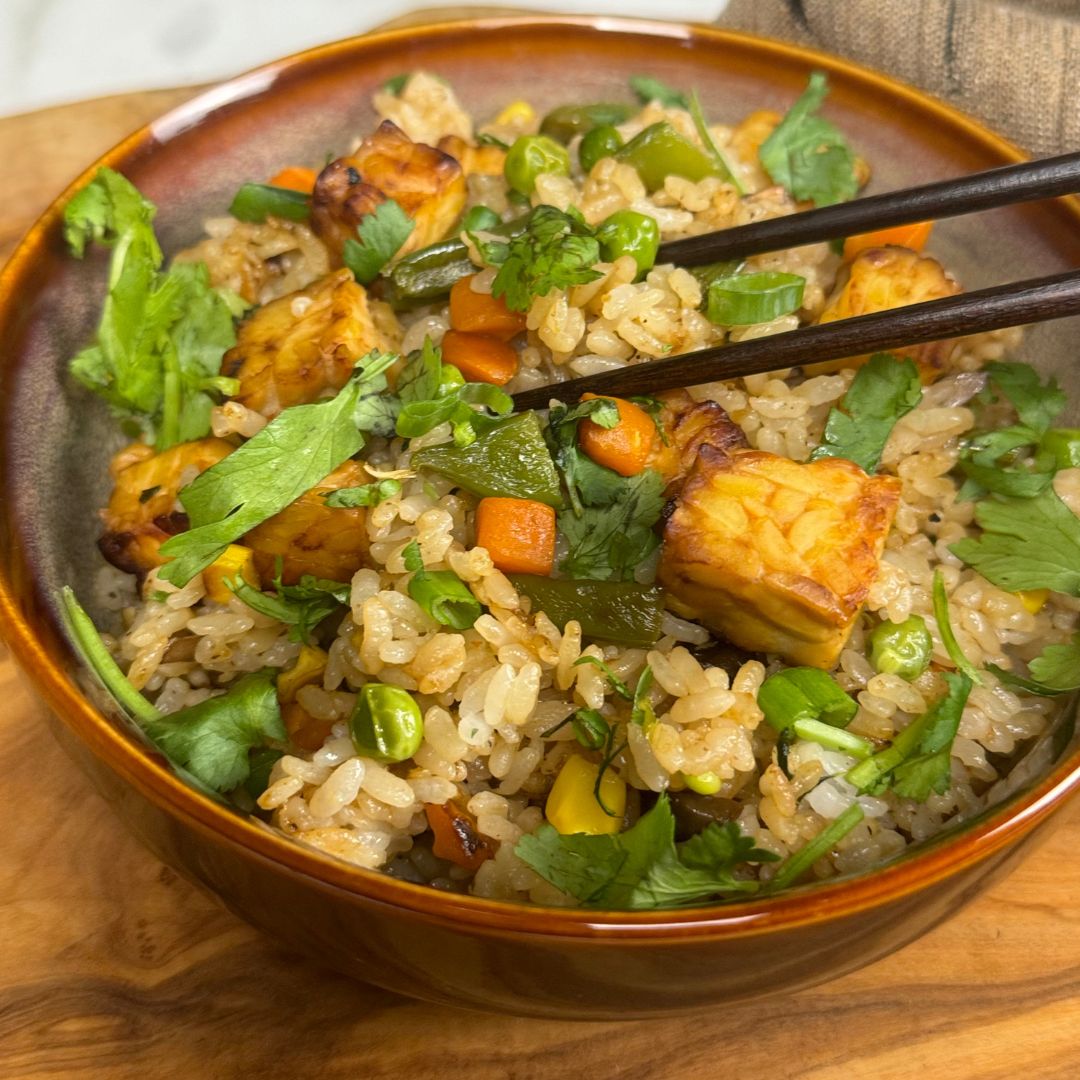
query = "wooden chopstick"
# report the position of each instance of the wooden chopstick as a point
(1010, 184)
(1035, 300)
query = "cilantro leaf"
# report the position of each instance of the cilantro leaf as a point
(883, 390)
(992, 460)
(301, 606)
(275, 467)
(1037, 406)
(930, 770)
(364, 495)
(421, 375)
(161, 336)
(212, 740)
(617, 685)
(808, 155)
(585, 480)
(649, 89)
(609, 542)
(382, 234)
(555, 251)
(1026, 544)
(643, 867)
(1056, 670)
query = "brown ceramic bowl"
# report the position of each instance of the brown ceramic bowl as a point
(457, 949)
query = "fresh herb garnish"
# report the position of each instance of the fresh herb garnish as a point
(918, 758)
(364, 495)
(714, 151)
(1005, 460)
(1056, 670)
(793, 868)
(808, 155)
(288, 457)
(944, 625)
(257, 202)
(647, 89)
(162, 335)
(441, 593)
(1025, 544)
(210, 742)
(590, 728)
(301, 607)
(617, 684)
(609, 541)
(884, 389)
(382, 234)
(213, 740)
(642, 713)
(556, 250)
(643, 868)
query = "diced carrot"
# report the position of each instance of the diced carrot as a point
(295, 178)
(305, 731)
(456, 837)
(906, 236)
(480, 358)
(482, 313)
(626, 446)
(519, 535)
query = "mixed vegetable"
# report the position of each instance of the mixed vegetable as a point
(609, 514)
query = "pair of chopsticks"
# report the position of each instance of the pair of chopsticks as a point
(1035, 300)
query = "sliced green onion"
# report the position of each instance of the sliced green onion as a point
(804, 693)
(445, 597)
(745, 299)
(697, 114)
(797, 864)
(256, 202)
(590, 728)
(948, 638)
(93, 652)
(834, 738)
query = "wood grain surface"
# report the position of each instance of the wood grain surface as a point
(113, 967)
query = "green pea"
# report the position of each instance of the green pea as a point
(530, 156)
(902, 649)
(627, 232)
(386, 724)
(599, 143)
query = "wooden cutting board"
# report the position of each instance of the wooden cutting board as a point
(111, 966)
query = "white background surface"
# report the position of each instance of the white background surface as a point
(52, 51)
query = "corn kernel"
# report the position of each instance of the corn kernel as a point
(517, 112)
(1033, 599)
(234, 560)
(309, 668)
(572, 806)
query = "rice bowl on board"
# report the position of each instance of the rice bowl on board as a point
(444, 944)
(448, 650)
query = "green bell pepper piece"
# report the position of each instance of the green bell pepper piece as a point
(620, 611)
(510, 460)
(660, 151)
(427, 275)
(567, 121)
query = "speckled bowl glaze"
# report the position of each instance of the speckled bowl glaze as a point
(458, 949)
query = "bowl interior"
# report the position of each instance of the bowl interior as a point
(57, 439)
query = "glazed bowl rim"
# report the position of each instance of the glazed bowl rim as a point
(935, 860)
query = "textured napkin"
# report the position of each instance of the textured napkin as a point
(1014, 64)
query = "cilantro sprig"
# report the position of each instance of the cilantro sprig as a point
(381, 235)
(808, 155)
(301, 607)
(210, 743)
(643, 868)
(162, 334)
(1056, 670)
(884, 389)
(275, 467)
(556, 250)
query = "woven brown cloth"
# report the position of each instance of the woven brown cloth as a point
(1014, 64)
